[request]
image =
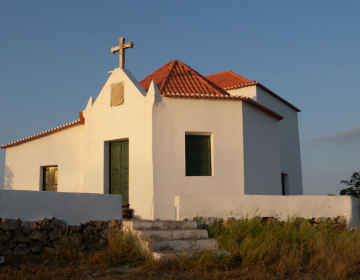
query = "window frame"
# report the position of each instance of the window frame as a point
(55, 177)
(208, 135)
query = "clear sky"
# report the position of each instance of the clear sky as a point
(54, 55)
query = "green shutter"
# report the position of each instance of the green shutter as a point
(119, 169)
(197, 155)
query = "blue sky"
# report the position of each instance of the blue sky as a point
(56, 54)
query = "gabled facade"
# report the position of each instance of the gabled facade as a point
(175, 132)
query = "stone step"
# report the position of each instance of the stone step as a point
(166, 234)
(144, 224)
(170, 255)
(186, 244)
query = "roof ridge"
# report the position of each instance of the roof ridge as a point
(203, 80)
(168, 75)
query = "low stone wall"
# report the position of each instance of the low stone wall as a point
(335, 222)
(18, 237)
(277, 206)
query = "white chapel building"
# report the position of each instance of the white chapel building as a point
(176, 132)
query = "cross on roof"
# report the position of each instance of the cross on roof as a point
(121, 49)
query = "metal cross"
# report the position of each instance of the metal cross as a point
(121, 49)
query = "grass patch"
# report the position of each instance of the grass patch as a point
(123, 249)
(293, 247)
(263, 249)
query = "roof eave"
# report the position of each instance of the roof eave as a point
(227, 97)
(43, 134)
(254, 83)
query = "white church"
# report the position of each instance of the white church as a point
(175, 132)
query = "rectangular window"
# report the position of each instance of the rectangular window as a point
(197, 155)
(50, 178)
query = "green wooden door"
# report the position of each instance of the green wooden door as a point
(119, 169)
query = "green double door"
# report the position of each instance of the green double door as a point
(119, 169)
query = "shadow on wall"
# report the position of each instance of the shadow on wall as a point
(8, 179)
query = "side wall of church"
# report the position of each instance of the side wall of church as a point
(290, 158)
(24, 163)
(261, 152)
(223, 121)
(129, 121)
(289, 143)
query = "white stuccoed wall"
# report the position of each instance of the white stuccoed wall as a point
(82, 152)
(131, 121)
(23, 163)
(223, 120)
(282, 207)
(73, 208)
(261, 152)
(289, 143)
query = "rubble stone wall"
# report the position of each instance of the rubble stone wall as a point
(338, 222)
(23, 237)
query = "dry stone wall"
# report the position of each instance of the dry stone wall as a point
(338, 222)
(19, 237)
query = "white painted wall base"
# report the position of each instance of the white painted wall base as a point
(282, 207)
(73, 208)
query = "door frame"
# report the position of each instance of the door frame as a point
(107, 170)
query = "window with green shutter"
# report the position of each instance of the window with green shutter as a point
(50, 178)
(197, 155)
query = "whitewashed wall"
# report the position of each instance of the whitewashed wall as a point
(223, 120)
(282, 207)
(129, 121)
(261, 152)
(73, 208)
(289, 143)
(23, 163)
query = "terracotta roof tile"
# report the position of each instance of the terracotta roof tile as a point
(229, 80)
(176, 79)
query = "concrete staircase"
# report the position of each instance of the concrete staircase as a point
(168, 239)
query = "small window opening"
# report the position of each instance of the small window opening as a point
(197, 155)
(50, 178)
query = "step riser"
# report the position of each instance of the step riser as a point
(168, 245)
(186, 254)
(172, 234)
(143, 225)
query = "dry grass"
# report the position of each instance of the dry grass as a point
(291, 248)
(260, 250)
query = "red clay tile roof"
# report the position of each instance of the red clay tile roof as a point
(229, 80)
(177, 77)
(47, 132)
